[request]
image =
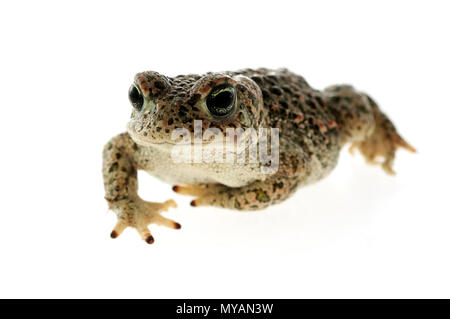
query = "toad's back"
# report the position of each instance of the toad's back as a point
(301, 113)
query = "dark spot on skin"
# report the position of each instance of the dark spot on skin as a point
(277, 186)
(362, 109)
(266, 94)
(185, 119)
(276, 90)
(335, 99)
(286, 89)
(159, 85)
(183, 109)
(272, 78)
(319, 100)
(170, 121)
(182, 113)
(113, 167)
(311, 104)
(257, 80)
(262, 196)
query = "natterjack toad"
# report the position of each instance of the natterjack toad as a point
(311, 127)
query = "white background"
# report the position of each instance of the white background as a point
(65, 71)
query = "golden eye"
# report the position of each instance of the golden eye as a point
(221, 101)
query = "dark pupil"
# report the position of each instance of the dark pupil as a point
(220, 104)
(136, 98)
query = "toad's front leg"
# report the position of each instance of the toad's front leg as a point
(120, 181)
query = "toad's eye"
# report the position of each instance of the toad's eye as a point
(221, 101)
(136, 98)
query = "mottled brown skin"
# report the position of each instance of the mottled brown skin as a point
(313, 126)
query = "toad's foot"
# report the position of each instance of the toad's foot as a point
(384, 142)
(204, 193)
(139, 214)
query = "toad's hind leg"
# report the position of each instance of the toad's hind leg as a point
(254, 196)
(384, 142)
(364, 125)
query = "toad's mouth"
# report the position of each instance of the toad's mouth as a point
(143, 140)
(168, 145)
(189, 140)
